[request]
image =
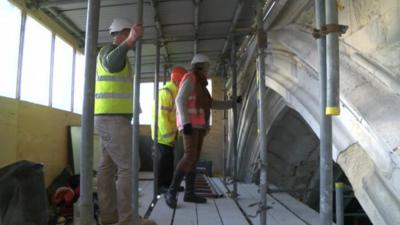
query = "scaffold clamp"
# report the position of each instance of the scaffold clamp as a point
(329, 28)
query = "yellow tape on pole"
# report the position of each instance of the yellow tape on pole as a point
(332, 111)
(339, 185)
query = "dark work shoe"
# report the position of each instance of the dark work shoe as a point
(170, 199)
(181, 188)
(190, 195)
(194, 198)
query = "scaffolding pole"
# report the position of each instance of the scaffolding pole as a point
(86, 155)
(339, 187)
(165, 74)
(135, 128)
(325, 203)
(261, 45)
(20, 55)
(234, 193)
(155, 129)
(225, 127)
(332, 60)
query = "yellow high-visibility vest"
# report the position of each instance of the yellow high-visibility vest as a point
(113, 94)
(167, 131)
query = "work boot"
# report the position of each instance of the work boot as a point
(190, 196)
(170, 195)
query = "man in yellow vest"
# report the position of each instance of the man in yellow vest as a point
(167, 130)
(113, 114)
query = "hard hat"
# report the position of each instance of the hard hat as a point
(119, 24)
(177, 74)
(200, 58)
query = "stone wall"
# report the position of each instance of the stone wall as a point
(213, 146)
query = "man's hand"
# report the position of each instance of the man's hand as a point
(135, 33)
(187, 129)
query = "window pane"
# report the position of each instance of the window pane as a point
(36, 63)
(209, 86)
(10, 21)
(79, 82)
(62, 75)
(146, 102)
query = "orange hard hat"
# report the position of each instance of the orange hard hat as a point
(177, 74)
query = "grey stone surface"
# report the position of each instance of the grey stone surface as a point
(370, 102)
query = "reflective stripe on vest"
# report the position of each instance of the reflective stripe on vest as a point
(114, 91)
(168, 109)
(196, 115)
(168, 135)
(166, 115)
(114, 78)
(113, 95)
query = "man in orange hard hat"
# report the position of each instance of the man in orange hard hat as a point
(167, 130)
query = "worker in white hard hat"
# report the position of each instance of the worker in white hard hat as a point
(113, 114)
(193, 103)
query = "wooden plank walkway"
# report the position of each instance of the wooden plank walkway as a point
(161, 213)
(229, 212)
(285, 210)
(145, 196)
(305, 212)
(249, 203)
(277, 211)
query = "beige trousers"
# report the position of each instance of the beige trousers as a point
(114, 175)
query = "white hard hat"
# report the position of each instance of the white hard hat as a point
(120, 24)
(200, 58)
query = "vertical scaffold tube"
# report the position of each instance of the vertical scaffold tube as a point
(225, 158)
(325, 202)
(332, 61)
(339, 187)
(234, 194)
(261, 45)
(86, 155)
(155, 129)
(165, 74)
(20, 54)
(135, 128)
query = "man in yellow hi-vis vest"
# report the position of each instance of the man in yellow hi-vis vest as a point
(167, 130)
(113, 114)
